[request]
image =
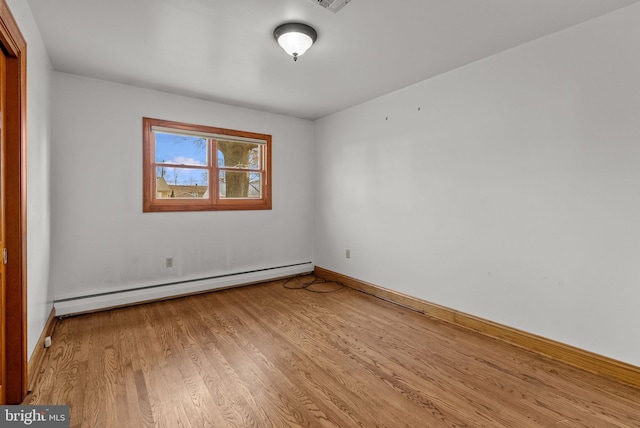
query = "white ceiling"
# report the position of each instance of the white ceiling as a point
(223, 50)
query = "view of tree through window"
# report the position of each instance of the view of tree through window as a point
(196, 167)
(239, 165)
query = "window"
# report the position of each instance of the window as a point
(202, 168)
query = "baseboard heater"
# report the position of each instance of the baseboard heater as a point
(109, 299)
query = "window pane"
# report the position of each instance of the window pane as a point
(235, 154)
(240, 184)
(190, 167)
(182, 183)
(180, 149)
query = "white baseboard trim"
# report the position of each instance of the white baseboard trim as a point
(101, 301)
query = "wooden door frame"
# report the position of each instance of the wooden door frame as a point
(15, 48)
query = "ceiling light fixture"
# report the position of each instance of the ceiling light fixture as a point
(295, 38)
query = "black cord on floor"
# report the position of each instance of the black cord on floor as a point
(307, 284)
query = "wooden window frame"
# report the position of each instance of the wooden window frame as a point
(151, 203)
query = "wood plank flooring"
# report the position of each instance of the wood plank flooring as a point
(267, 356)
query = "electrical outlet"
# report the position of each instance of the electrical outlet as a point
(348, 254)
(169, 262)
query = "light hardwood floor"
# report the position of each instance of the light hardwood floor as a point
(266, 356)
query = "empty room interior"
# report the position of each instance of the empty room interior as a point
(419, 213)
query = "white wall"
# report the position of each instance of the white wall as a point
(39, 86)
(508, 189)
(103, 242)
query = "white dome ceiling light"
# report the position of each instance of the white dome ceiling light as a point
(295, 38)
